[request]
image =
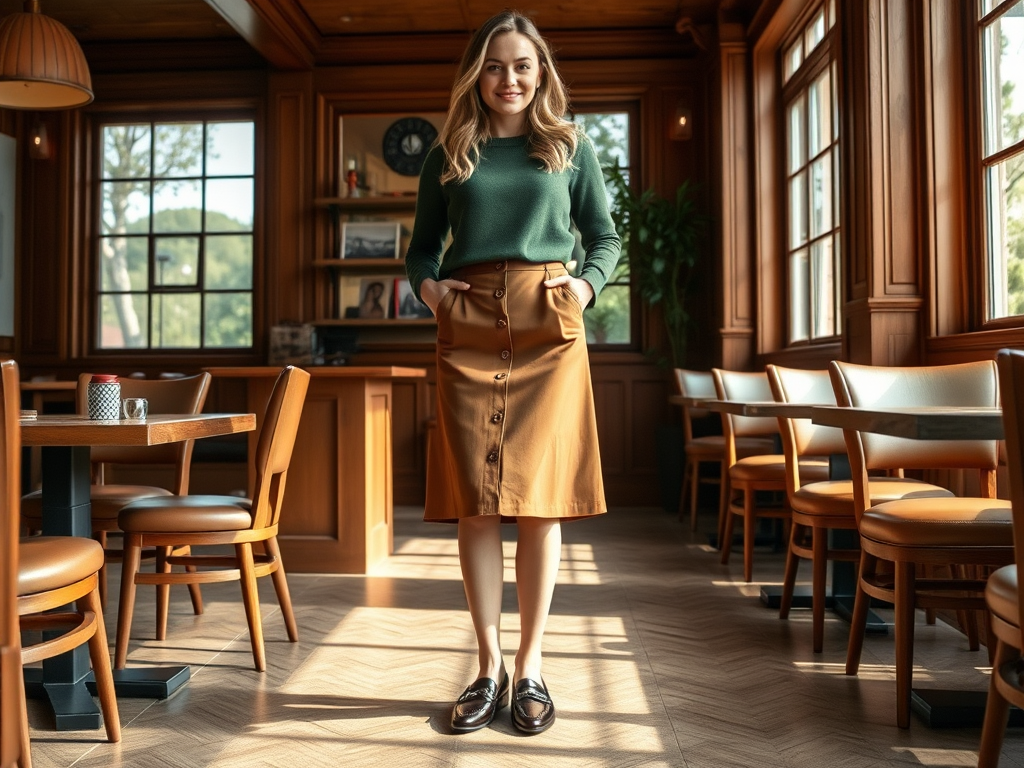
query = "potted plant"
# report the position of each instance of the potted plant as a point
(660, 238)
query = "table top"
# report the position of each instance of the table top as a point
(924, 423)
(72, 430)
(324, 371)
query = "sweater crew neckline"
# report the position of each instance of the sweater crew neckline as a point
(511, 141)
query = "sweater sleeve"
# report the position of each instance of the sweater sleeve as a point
(591, 216)
(423, 259)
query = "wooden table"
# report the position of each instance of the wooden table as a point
(937, 707)
(337, 515)
(39, 393)
(65, 442)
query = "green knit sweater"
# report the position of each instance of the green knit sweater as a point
(510, 208)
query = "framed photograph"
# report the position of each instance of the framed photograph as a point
(375, 297)
(406, 305)
(370, 239)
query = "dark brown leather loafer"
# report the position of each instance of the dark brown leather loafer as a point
(478, 704)
(532, 708)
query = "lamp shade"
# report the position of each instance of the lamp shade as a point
(41, 64)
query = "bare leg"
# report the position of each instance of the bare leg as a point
(483, 570)
(537, 556)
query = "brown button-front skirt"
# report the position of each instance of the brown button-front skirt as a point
(516, 433)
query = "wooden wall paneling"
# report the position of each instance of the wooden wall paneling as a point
(408, 432)
(287, 212)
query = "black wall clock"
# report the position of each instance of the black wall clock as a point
(406, 144)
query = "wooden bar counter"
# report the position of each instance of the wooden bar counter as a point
(337, 516)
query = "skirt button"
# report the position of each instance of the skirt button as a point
(492, 457)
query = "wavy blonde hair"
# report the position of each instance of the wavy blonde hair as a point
(552, 139)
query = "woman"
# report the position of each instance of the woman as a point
(516, 433)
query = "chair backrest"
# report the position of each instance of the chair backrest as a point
(1011, 384)
(179, 395)
(802, 437)
(275, 443)
(10, 494)
(694, 384)
(747, 387)
(967, 385)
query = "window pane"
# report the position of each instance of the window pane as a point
(821, 195)
(1004, 188)
(609, 133)
(607, 322)
(123, 321)
(822, 289)
(229, 320)
(124, 264)
(798, 210)
(799, 323)
(792, 60)
(819, 114)
(815, 31)
(229, 204)
(176, 260)
(796, 156)
(835, 186)
(230, 149)
(837, 267)
(125, 207)
(177, 206)
(229, 262)
(176, 320)
(1002, 53)
(178, 150)
(126, 151)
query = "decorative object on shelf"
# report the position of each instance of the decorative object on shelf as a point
(406, 144)
(406, 305)
(41, 64)
(352, 179)
(370, 239)
(293, 344)
(374, 297)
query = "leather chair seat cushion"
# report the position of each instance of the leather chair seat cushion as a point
(106, 500)
(950, 522)
(835, 497)
(1001, 594)
(773, 467)
(52, 562)
(713, 446)
(186, 514)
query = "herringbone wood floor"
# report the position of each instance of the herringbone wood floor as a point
(655, 656)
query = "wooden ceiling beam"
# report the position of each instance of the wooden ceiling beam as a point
(280, 32)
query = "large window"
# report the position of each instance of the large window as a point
(1002, 109)
(609, 321)
(812, 178)
(175, 244)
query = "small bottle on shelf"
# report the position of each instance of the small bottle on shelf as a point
(352, 179)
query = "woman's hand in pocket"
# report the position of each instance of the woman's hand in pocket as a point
(581, 289)
(433, 291)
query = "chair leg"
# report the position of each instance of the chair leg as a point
(163, 593)
(99, 654)
(789, 580)
(725, 537)
(819, 572)
(101, 537)
(997, 711)
(859, 619)
(25, 747)
(724, 498)
(251, 600)
(683, 494)
(284, 598)
(749, 531)
(904, 628)
(131, 559)
(694, 487)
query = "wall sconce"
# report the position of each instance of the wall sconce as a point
(38, 142)
(682, 122)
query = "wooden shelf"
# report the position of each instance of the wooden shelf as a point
(377, 203)
(385, 323)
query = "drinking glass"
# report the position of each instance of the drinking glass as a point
(135, 408)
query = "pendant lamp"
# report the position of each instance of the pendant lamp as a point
(41, 64)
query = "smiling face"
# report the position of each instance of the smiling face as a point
(508, 82)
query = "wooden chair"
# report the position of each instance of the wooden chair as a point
(706, 449)
(820, 507)
(178, 395)
(751, 475)
(1003, 596)
(163, 521)
(896, 537)
(49, 572)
